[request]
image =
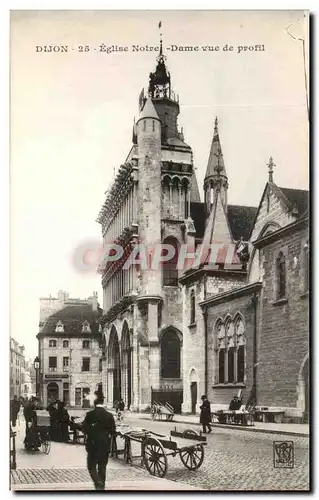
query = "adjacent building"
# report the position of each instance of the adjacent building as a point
(69, 351)
(17, 366)
(173, 334)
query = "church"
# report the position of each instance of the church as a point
(172, 334)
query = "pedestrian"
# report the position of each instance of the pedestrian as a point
(64, 420)
(53, 412)
(31, 440)
(205, 414)
(14, 410)
(98, 426)
(120, 409)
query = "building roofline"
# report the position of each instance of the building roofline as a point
(269, 238)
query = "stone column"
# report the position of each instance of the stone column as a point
(110, 386)
(145, 385)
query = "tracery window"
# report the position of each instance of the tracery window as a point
(221, 344)
(230, 349)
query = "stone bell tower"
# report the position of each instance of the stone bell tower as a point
(148, 132)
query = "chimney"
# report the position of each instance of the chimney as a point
(94, 302)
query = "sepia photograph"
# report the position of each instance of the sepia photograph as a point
(159, 250)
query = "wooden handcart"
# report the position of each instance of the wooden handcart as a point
(158, 411)
(155, 448)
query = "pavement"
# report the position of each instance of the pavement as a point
(267, 427)
(64, 469)
(236, 459)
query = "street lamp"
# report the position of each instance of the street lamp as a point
(36, 364)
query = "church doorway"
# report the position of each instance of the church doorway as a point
(53, 391)
(193, 388)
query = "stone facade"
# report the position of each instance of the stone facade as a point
(70, 353)
(171, 332)
(283, 348)
(17, 367)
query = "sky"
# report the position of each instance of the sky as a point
(72, 114)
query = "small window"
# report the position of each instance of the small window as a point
(281, 276)
(100, 364)
(65, 344)
(78, 396)
(144, 125)
(52, 363)
(153, 126)
(65, 364)
(85, 364)
(52, 343)
(86, 344)
(192, 308)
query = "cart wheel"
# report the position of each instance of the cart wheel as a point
(192, 457)
(46, 444)
(154, 457)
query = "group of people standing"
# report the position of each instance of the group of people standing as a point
(59, 421)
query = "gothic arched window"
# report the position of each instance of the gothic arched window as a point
(170, 271)
(170, 355)
(221, 344)
(281, 276)
(192, 307)
(241, 349)
(230, 339)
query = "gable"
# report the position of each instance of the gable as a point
(273, 208)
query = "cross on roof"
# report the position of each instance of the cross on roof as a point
(270, 166)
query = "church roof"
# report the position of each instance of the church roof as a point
(148, 111)
(198, 215)
(176, 141)
(298, 198)
(195, 196)
(215, 161)
(240, 219)
(72, 317)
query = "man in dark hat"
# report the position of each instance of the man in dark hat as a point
(98, 425)
(205, 414)
(14, 410)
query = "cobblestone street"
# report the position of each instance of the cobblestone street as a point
(234, 460)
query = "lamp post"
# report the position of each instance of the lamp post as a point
(36, 364)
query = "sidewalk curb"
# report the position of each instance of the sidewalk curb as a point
(239, 428)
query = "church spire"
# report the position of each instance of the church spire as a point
(216, 176)
(163, 97)
(215, 161)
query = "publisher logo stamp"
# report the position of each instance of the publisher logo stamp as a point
(283, 454)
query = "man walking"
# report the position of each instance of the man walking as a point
(98, 425)
(205, 414)
(14, 410)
